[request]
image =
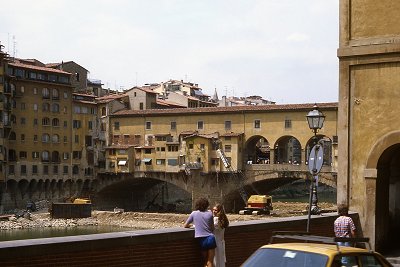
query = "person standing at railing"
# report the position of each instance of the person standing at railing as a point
(344, 225)
(221, 222)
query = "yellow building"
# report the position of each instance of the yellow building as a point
(3, 120)
(186, 139)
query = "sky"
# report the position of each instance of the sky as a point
(282, 50)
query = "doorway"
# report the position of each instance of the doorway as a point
(387, 231)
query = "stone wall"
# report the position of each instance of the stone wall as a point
(162, 247)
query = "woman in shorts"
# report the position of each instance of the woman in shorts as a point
(202, 219)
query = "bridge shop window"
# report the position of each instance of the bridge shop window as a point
(257, 124)
(148, 125)
(173, 162)
(228, 125)
(200, 125)
(173, 148)
(173, 125)
(160, 161)
(288, 123)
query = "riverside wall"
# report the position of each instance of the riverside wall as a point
(161, 247)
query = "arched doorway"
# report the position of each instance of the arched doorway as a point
(387, 222)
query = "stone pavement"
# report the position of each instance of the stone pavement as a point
(393, 257)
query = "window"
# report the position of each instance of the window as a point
(173, 125)
(55, 108)
(141, 106)
(11, 169)
(65, 95)
(35, 138)
(147, 151)
(34, 169)
(55, 169)
(65, 109)
(65, 169)
(75, 169)
(35, 107)
(46, 121)
(52, 78)
(23, 154)
(103, 111)
(172, 162)
(200, 125)
(23, 121)
(90, 125)
(55, 138)
(288, 124)
(65, 139)
(76, 124)
(55, 94)
(45, 138)
(65, 155)
(35, 122)
(45, 169)
(46, 107)
(35, 155)
(22, 106)
(228, 148)
(76, 139)
(45, 155)
(191, 146)
(116, 126)
(257, 124)
(22, 137)
(173, 148)
(160, 161)
(148, 125)
(214, 162)
(23, 169)
(35, 91)
(77, 109)
(76, 154)
(55, 122)
(228, 125)
(65, 124)
(22, 89)
(45, 93)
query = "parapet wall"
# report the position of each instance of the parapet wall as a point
(161, 247)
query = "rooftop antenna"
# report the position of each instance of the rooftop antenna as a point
(14, 47)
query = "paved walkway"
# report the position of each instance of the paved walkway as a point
(393, 257)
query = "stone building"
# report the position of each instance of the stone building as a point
(368, 124)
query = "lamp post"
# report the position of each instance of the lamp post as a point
(315, 119)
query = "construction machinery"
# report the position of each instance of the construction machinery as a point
(257, 205)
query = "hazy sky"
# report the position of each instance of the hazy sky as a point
(283, 50)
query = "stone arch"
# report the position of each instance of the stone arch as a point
(23, 187)
(257, 150)
(287, 149)
(382, 184)
(326, 144)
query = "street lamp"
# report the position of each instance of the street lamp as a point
(315, 119)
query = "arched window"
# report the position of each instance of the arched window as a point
(12, 136)
(46, 121)
(55, 108)
(56, 94)
(55, 138)
(103, 111)
(75, 169)
(45, 138)
(46, 107)
(45, 93)
(45, 155)
(55, 122)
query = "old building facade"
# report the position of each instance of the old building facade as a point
(369, 147)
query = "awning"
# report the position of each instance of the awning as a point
(146, 160)
(122, 163)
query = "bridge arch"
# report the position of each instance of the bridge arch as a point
(257, 150)
(287, 149)
(327, 146)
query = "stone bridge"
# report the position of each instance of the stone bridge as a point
(142, 190)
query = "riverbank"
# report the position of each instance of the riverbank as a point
(144, 220)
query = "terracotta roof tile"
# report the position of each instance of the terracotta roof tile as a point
(234, 109)
(32, 67)
(231, 134)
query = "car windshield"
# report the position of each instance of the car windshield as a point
(265, 257)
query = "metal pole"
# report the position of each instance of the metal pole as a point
(309, 206)
(312, 186)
